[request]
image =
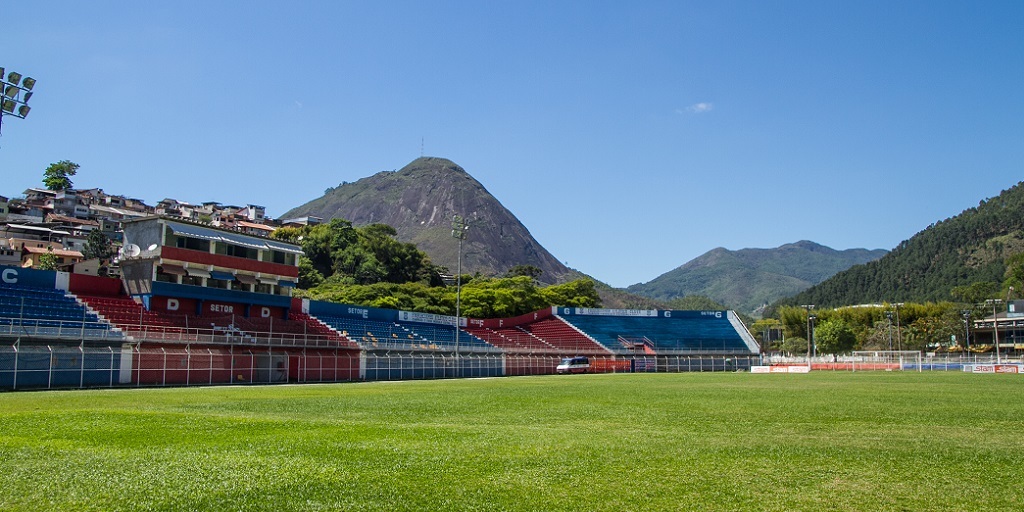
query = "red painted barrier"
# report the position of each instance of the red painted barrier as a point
(94, 285)
(161, 365)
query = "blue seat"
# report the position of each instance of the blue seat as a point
(680, 332)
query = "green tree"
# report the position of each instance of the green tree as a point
(695, 303)
(764, 326)
(289, 234)
(48, 260)
(323, 242)
(58, 176)
(877, 337)
(794, 320)
(398, 262)
(309, 277)
(580, 293)
(933, 332)
(524, 270)
(794, 346)
(1014, 272)
(833, 336)
(975, 292)
(365, 255)
(97, 245)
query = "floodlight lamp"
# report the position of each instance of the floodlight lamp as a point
(14, 77)
(23, 110)
(7, 106)
(28, 83)
(24, 99)
(1, 74)
(11, 91)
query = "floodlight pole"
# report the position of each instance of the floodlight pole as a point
(15, 91)
(899, 334)
(810, 332)
(888, 314)
(995, 327)
(459, 229)
(1013, 325)
(967, 329)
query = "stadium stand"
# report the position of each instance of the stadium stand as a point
(561, 335)
(662, 331)
(68, 330)
(511, 339)
(48, 312)
(380, 334)
(131, 316)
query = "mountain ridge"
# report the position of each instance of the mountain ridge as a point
(750, 278)
(971, 247)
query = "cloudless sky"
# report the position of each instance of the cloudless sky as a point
(629, 137)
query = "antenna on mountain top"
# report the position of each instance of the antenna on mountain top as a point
(421, 147)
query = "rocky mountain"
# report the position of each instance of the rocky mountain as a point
(420, 201)
(750, 278)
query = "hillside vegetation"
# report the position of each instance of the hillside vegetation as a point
(367, 266)
(750, 278)
(965, 251)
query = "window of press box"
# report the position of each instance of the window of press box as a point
(238, 251)
(164, 277)
(192, 280)
(195, 244)
(216, 283)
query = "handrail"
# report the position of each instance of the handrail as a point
(228, 336)
(48, 328)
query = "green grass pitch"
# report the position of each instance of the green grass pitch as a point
(644, 442)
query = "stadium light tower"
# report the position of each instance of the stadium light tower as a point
(888, 314)
(899, 330)
(1013, 330)
(967, 329)
(15, 95)
(810, 331)
(459, 230)
(995, 327)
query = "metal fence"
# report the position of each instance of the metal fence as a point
(230, 336)
(922, 362)
(58, 366)
(59, 329)
(38, 365)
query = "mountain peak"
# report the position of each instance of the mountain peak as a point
(806, 245)
(748, 278)
(432, 164)
(421, 199)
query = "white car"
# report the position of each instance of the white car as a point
(573, 365)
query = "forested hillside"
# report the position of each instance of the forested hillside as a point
(969, 249)
(747, 279)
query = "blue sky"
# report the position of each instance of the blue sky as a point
(629, 137)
